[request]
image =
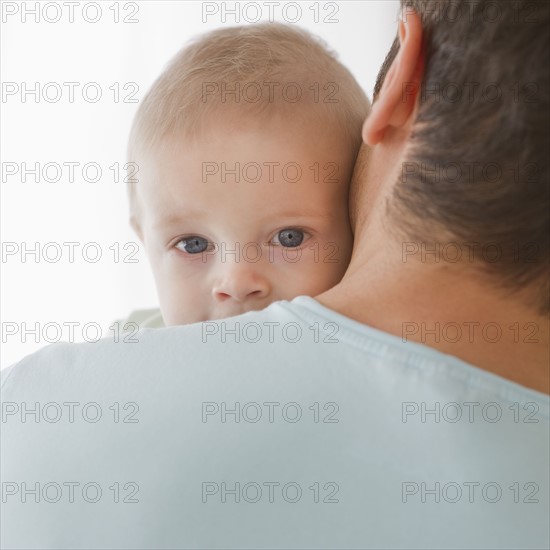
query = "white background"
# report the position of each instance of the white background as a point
(36, 130)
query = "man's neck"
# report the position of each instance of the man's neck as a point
(446, 308)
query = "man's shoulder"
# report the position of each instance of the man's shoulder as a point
(290, 397)
(301, 335)
(144, 347)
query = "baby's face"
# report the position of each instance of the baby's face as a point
(220, 247)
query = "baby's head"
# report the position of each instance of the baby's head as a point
(245, 146)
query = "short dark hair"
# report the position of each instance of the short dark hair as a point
(484, 99)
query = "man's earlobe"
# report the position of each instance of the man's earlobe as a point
(399, 93)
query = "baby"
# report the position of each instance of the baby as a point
(245, 146)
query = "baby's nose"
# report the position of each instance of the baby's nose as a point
(241, 281)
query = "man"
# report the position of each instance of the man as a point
(407, 407)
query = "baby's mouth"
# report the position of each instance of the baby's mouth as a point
(238, 311)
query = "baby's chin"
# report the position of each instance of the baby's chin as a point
(174, 319)
(177, 320)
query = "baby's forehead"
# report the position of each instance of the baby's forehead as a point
(252, 164)
(273, 161)
(283, 134)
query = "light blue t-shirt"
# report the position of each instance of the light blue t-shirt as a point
(292, 427)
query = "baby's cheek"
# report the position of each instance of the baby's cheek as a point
(317, 270)
(181, 288)
(330, 270)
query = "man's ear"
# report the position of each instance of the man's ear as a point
(397, 98)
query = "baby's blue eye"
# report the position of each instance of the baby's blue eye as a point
(290, 237)
(193, 245)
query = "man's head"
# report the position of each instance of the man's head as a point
(460, 119)
(245, 145)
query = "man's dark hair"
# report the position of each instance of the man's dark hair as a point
(478, 166)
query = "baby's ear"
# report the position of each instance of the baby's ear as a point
(134, 224)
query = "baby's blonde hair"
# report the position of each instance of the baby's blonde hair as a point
(262, 63)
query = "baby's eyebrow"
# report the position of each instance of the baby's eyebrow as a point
(174, 219)
(195, 215)
(303, 213)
